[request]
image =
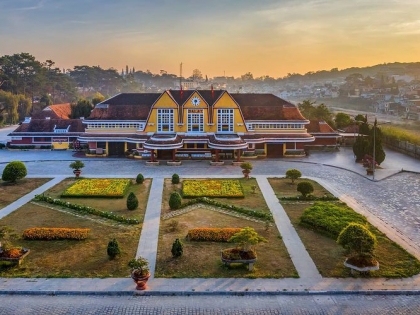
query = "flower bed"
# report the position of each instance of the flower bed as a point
(94, 187)
(212, 234)
(55, 234)
(212, 188)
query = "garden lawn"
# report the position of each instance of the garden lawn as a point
(12, 192)
(70, 258)
(202, 259)
(328, 256)
(117, 206)
(253, 201)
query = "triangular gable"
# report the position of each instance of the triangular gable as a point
(162, 102)
(225, 100)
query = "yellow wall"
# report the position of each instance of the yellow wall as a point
(165, 101)
(226, 101)
(60, 146)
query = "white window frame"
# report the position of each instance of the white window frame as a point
(165, 120)
(225, 118)
(195, 117)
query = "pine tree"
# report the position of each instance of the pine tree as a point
(177, 248)
(132, 201)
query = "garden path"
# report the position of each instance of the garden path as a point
(149, 237)
(28, 197)
(300, 257)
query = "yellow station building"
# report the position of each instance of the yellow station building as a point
(178, 124)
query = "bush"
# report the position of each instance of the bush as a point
(177, 248)
(305, 188)
(212, 234)
(330, 219)
(293, 174)
(175, 201)
(140, 179)
(175, 179)
(246, 238)
(132, 201)
(49, 234)
(246, 166)
(358, 240)
(14, 171)
(77, 165)
(113, 249)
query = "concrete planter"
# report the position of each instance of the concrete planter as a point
(220, 163)
(150, 163)
(174, 163)
(361, 269)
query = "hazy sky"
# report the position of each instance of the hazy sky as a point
(265, 37)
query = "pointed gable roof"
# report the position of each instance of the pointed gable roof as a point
(266, 107)
(56, 111)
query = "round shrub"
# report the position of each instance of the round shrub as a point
(140, 179)
(132, 201)
(358, 240)
(175, 201)
(293, 174)
(305, 188)
(14, 171)
(177, 248)
(113, 249)
(175, 179)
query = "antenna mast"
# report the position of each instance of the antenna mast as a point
(180, 76)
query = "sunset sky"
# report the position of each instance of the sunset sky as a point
(264, 37)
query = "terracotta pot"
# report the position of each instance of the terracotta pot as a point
(246, 173)
(77, 173)
(140, 281)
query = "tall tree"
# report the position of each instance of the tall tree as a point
(81, 109)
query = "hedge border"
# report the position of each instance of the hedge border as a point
(86, 209)
(252, 213)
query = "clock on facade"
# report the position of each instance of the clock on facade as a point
(195, 101)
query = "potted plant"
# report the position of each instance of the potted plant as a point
(77, 166)
(140, 272)
(8, 252)
(246, 169)
(360, 244)
(245, 252)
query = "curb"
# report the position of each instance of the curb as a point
(208, 293)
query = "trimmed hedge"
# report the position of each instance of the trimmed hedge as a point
(330, 219)
(212, 234)
(86, 209)
(267, 216)
(49, 234)
(311, 198)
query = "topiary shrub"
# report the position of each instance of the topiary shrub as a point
(305, 188)
(175, 179)
(293, 174)
(14, 171)
(175, 201)
(132, 201)
(140, 179)
(177, 248)
(113, 249)
(358, 241)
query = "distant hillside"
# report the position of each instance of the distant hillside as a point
(396, 68)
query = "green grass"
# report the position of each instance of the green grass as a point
(328, 256)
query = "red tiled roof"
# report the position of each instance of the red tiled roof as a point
(319, 126)
(56, 111)
(47, 125)
(266, 107)
(136, 106)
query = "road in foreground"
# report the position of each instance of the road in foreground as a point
(281, 304)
